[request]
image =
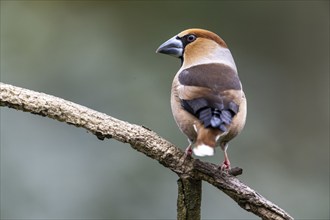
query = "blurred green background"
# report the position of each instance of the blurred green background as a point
(101, 54)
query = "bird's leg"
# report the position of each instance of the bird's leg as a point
(188, 151)
(225, 166)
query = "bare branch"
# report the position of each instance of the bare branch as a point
(189, 198)
(143, 140)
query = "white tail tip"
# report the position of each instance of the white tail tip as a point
(203, 150)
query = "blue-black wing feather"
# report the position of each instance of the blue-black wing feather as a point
(212, 115)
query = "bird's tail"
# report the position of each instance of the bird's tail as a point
(206, 140)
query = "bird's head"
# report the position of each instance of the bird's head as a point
(197, 46)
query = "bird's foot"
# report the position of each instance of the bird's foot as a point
(188, 151)
(225, 166)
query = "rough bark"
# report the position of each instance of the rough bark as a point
(143, 140)
(189, 198)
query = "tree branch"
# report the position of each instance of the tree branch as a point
(189, 198)
(143, 140)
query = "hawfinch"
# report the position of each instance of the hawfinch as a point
(207, 100)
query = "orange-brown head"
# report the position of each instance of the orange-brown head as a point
(197, 46)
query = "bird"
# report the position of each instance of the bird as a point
(207, 99)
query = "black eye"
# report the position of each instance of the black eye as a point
(191, 38)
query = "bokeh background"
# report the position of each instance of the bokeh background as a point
(101, 54)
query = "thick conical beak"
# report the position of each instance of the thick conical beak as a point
(173, 47)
